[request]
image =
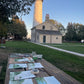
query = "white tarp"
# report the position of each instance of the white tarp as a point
(19, 55)
(12, 66)
(29, 59)
(51, 80)
(34, 65)
(25, 81)
(47, 80)
(38, 56)
(21, 75)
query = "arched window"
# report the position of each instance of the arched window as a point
(43, 27)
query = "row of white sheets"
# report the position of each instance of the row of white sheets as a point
(16, 66)
(44, 80)
(25, 77)
(21, 75)
(29, 65)
(34, 65)
(20, 55)
(29, 59)
(38, 56)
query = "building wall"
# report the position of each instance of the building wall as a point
(56, 39)
(41, 38)
(50, 38)
(33, 35)
(47, 25)
(37, 37)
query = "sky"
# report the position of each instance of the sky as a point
(63, 11)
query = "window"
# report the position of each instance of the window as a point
(43, 27)
(56, 37)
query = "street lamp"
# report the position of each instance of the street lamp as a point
(10, 18)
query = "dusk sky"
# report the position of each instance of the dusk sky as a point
(63, 11)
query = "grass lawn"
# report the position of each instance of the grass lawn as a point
(71, 64)
(76, 47)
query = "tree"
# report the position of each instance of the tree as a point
(8, 8)
(3, 31)
(52, 21)
(11, 7)
(19, 31)
(17, 28)
(59, 26)
(71, 33)
(80, 32)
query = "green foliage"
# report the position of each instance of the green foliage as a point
(75, 32)
(3, 30)
(71, 33)
(11, 7)
(17, 30)
(58, 25)
(52, 21)
(81, 32)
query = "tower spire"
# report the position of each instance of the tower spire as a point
(37, 12)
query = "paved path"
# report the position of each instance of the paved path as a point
(71, 52)
(68, 45)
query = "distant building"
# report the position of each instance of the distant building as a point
(46, 32)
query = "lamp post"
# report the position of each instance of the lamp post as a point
(10, 18)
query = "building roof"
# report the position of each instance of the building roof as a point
(48, 32)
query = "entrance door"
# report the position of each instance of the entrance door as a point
(44, 39)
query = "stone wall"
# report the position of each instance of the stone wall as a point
(51, 38)
(47, 25)
(33, 35)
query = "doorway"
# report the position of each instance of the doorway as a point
(44, 39)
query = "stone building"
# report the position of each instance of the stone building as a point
(46, 32)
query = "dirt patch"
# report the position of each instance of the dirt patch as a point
(3, 54)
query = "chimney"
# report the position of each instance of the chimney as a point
(47, 17)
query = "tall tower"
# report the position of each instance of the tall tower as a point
(37, 12)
